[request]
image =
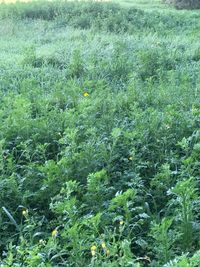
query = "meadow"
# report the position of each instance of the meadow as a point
(99, 134)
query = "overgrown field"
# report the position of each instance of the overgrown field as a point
(99, 135)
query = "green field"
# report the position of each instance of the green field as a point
(99, 135)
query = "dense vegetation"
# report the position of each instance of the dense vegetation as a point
(99, 135)
(187, 4)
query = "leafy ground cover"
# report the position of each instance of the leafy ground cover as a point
(99, 135)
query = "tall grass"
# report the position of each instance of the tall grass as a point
(99, 135)
(98, 16)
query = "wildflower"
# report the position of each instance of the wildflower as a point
(121, 222)
(25, 212)
(54, 233)
(93, 247)
(93, 250)
(103, 245)
(86, 94)
(130, 158)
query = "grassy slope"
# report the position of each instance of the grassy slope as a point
(144, 86)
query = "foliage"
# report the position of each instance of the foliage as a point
(97, 16)
(99, 135)
(185, 192)
(165, 238)
(186, 4)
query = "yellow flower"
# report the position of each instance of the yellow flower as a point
(103, 245)
(86, 94)
(25, 212)
(121, 222)
(93, 248)
(130, 158)
(93, 252)
(54, 233)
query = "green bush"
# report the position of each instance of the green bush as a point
(109, 17)
(192, 4)
(185, 4)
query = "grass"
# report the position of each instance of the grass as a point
(99, 134)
